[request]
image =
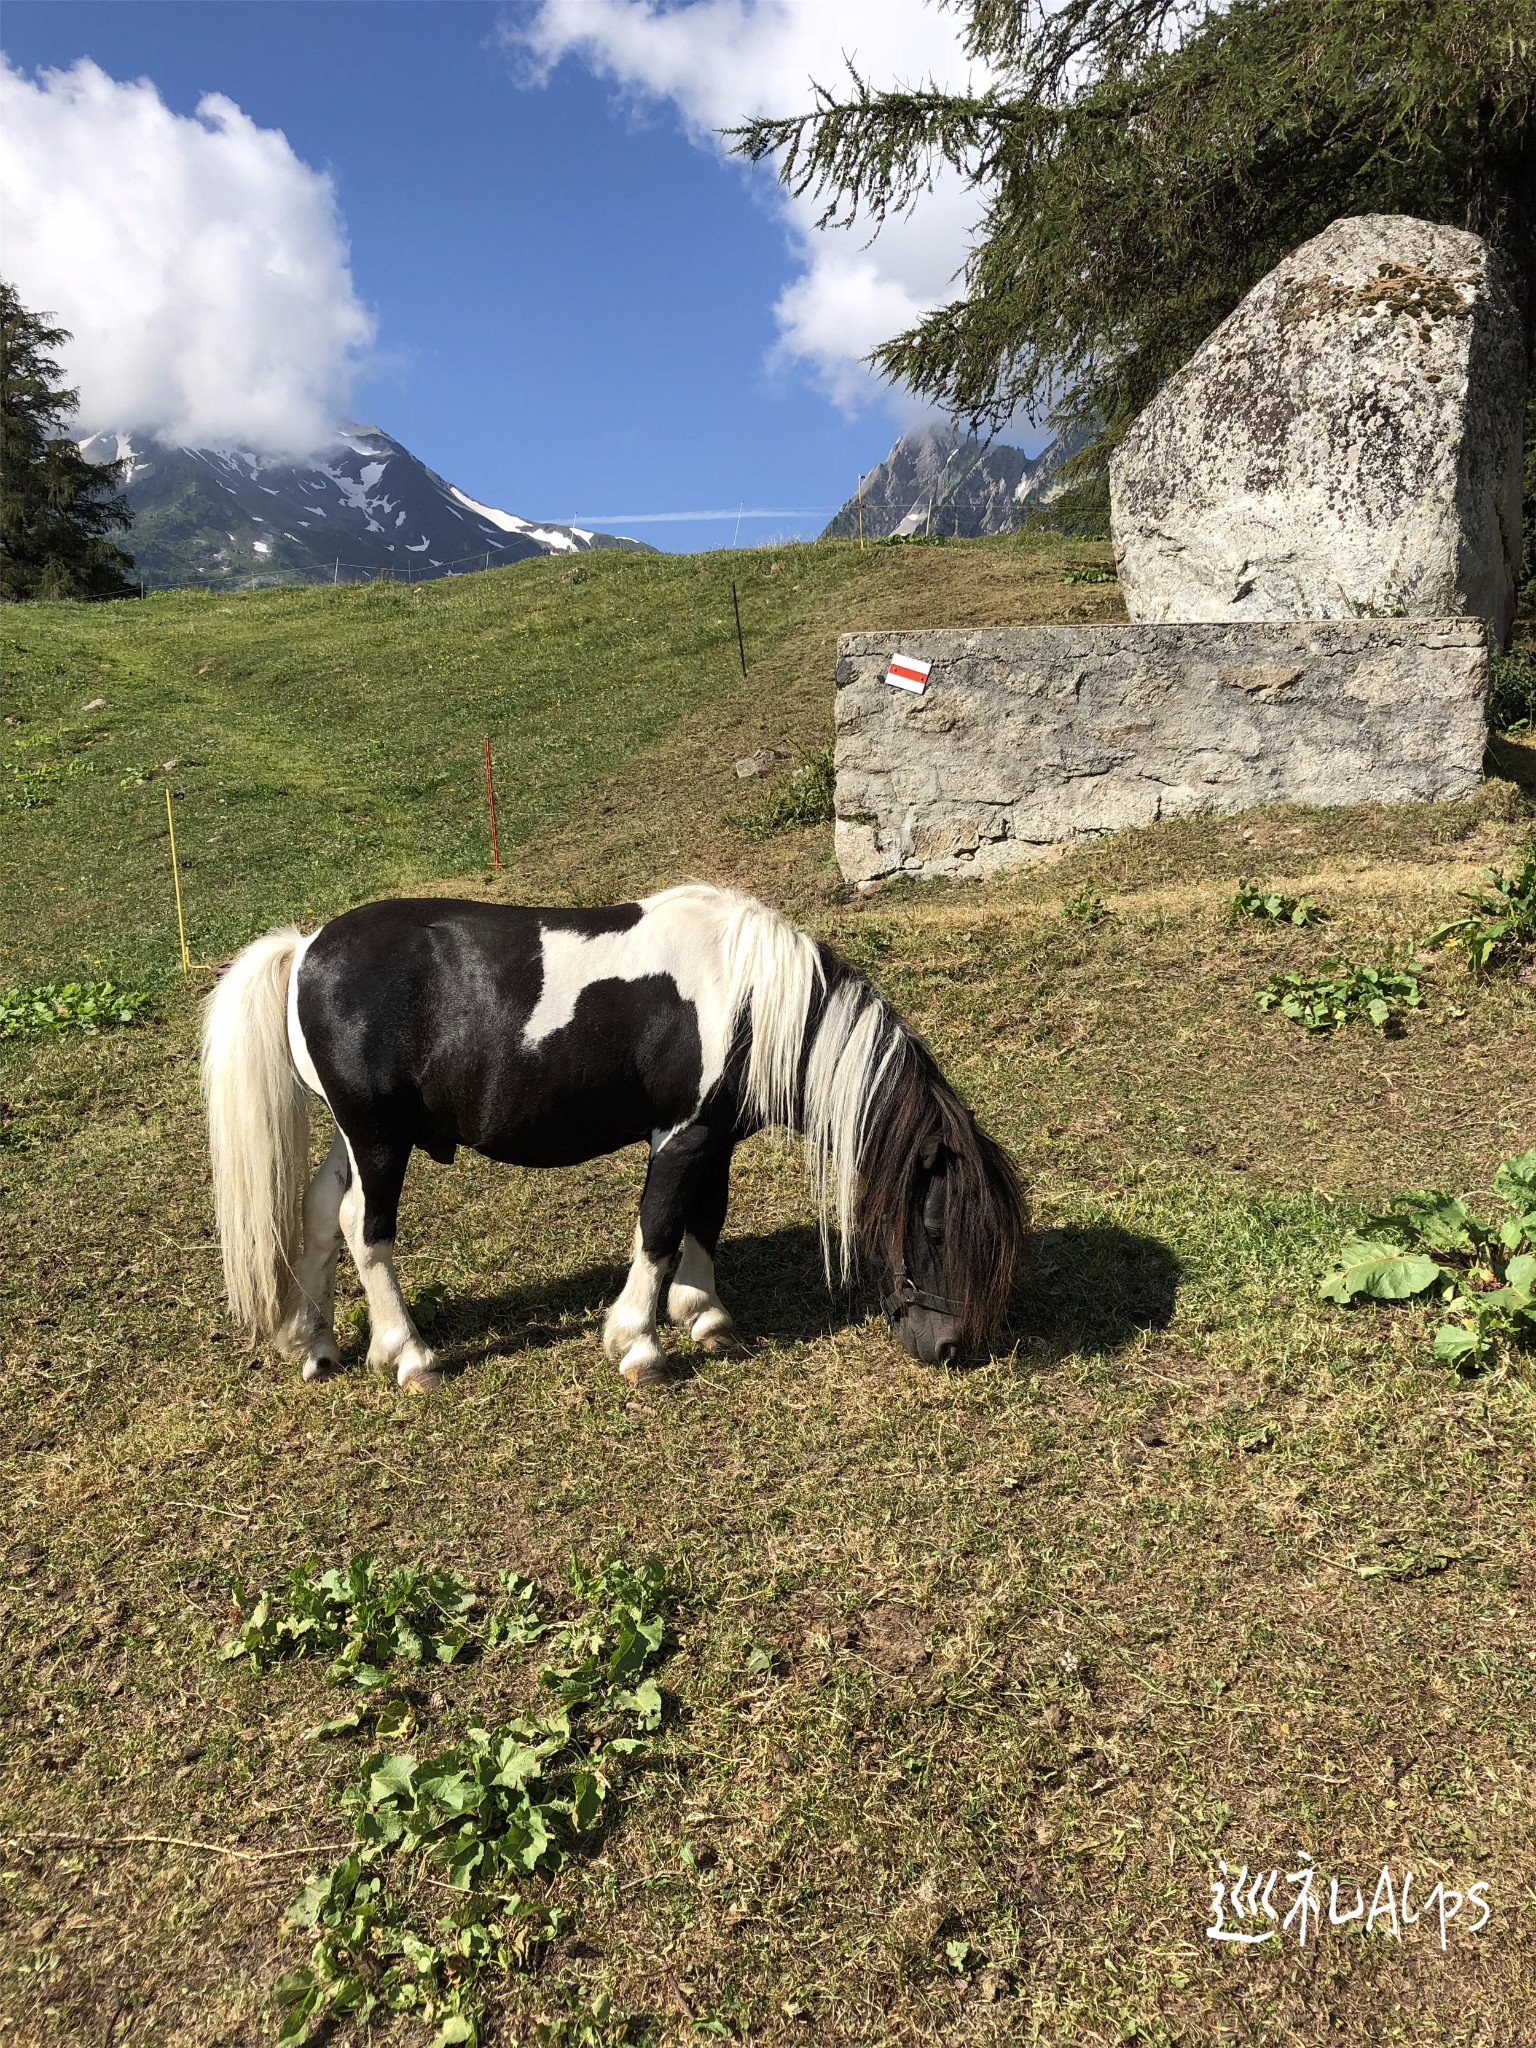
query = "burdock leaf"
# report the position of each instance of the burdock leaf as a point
(1516, 1180)
(1384, 1272)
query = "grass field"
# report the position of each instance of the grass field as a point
(970, 1678)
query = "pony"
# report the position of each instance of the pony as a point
(686, 1021)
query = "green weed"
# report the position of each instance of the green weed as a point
(35, 783)
(808, 798)
(1512, 690)
(427, 1303)
(367, 1620)
(1482, 1271)
(1086, 907)
(1342, 995)
(90, 1006)
(1498, 934)
(1252, 901)
(1091, 575)
(505, 1807)
(595, 2024)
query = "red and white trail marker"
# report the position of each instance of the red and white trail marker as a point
(907, 672)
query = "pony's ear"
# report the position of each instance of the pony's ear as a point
(928, 1152)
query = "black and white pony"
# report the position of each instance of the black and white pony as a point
(687, 1021)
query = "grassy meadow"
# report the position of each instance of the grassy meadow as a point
(969, 1678)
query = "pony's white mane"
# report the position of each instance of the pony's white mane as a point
(857, 1038)
(773, 972)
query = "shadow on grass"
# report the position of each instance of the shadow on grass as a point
(1088, 1288)
(772, 1283)
(1091, 1287)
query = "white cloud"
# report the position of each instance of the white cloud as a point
(200, 266)
(720, 61)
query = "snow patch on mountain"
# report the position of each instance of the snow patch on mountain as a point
(360, 509)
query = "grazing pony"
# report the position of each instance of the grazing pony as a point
(688, 1020)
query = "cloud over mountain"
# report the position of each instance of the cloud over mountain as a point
(200, 265)
(717, 62)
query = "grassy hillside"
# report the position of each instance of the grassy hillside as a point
(971, 1678)
(324, 745)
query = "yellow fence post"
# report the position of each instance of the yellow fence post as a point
(181, 925)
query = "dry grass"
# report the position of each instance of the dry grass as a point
(1197, 1567)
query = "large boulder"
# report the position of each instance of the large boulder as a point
(1345, 445)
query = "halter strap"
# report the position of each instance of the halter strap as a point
(906, 1293)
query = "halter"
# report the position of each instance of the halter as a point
(905, 1294)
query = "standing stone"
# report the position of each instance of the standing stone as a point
(1345, 445)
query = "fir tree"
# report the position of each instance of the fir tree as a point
(56, 508)
(1141, 164)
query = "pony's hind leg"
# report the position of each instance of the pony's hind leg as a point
(369, 1209)
(691, 1298)
(307, 1331)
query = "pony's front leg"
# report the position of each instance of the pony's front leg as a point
(629, 1332)
(691, 1298)
(307, 1331)
(629, 1329)
(368, 1214)
(693, 1302)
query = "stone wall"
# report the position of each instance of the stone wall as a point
(1028, 737)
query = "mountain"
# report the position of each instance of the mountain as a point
(937, 480)
(365, 507)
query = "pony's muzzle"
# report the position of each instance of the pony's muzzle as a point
(929, 1338)
(923, 1322)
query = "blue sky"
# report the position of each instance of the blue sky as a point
(574, 301)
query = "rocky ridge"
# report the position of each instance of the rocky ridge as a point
(363, 508)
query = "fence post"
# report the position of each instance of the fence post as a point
(181, 928)
(490, 804)
(741, 645)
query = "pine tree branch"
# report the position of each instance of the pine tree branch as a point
(1139, 164)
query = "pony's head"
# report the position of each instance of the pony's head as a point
(940, 1207)
(895, 1159)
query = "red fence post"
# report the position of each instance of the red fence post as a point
(490, 804)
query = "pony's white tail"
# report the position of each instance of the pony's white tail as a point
(257, 1129)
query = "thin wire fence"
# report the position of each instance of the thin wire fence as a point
(338, 571)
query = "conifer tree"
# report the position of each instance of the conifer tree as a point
(56, 508)
(1141, 164)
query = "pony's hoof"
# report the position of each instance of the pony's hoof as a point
(645, 1364)
(717, 1336)
(320, 1360)
(416, 1369)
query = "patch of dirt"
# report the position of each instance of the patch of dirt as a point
(892, 1638)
